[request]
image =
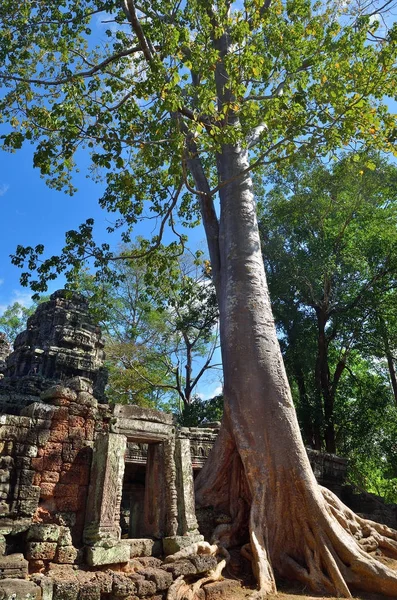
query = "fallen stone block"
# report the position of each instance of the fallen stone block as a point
(162, 579)
(221, 589)
(180, 567)
(203, 562)
(19, 589)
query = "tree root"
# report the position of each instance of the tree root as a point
(181, 589)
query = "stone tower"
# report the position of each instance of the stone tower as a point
(61, 341)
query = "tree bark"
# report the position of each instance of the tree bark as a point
(258, 469)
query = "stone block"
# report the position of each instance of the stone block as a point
(13, 565)
(41, 550)
(96, 556)
(65, 590)
(39, 532)
(219, 590)
(162, 579)
(123, 586)
(90, 591)
(66, 555)
(146, 562)
(45, 583)
(173, 544)
(19, 589)
(140, 547)
(29, 492)
(65, 537)
(26, 477)
(180, 567)
(56, 392)
(47, 490)
(38, 410)
(203, 562)
(50, 476)
(144, 587)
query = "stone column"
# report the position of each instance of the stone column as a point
(102, 526)
(185, 488)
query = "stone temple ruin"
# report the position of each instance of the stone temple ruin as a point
(92, 494)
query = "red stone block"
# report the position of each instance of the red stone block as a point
(90, 429)
(37, 464)
(76, 422)
(76, 433)
(47, 490)
(50, 476)
(52, 463)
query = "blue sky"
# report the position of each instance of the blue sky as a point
(32, 213)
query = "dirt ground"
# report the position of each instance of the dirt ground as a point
(288, 593)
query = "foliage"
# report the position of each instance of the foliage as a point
(200, 412)
(157, 93)
(160, 324)
(13, 320)
(330, 247)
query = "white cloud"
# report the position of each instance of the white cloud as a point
(1, 281)
(3, 188)
(20, 296)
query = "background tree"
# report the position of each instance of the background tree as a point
(160, 323)
(13, 320)
(330, 242)
(195, 96)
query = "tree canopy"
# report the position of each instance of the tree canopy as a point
(330, 248)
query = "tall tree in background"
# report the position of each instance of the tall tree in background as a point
(330, 239)
(195, 96)
(160, 325)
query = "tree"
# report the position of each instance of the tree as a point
(195, 96)
(160, 326)
(13, 320)
(331, 259)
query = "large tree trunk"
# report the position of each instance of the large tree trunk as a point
(258, 469)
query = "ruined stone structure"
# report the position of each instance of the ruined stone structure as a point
(84, 483)
(5, 350)
(61, 341)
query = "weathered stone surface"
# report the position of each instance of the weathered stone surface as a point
(180, 567)
(129, 411)
(140, 547)
(102, 527)
(66, 555)
(221, 589)
(19, 589)
(66, 590)
(96, 556)
(123, 585)
(203, 562)
(178, 542)
(162, 579)
(39, 532)
(13, 565)
(46, 585)
(61, 342)
(146, 562)
(5, 351)
(41, 550)
(144, 587)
